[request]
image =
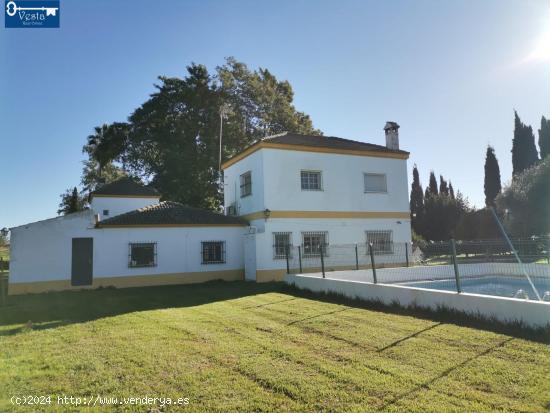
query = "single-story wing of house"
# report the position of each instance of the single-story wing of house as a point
(127, 238)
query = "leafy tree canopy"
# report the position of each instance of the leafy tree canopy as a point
(442, 215)
(172, 140)
(526, 201)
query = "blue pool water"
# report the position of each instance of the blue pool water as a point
(488, 285)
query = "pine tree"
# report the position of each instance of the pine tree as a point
(433, 184)
(492, 184)
(443, 187)
(71, 201)
(524, 151)
(451, 190)
(416, 202)
(544, 138)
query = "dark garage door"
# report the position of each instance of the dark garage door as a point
(82, 261)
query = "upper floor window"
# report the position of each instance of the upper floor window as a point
(311, 180)
(314, 242)
(246, 184)
(142, 254)
(382, 241)
(375, 183)
(213, 252)
(281, 244)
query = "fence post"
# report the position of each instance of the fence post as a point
(287, 263)
(322, 261)
(356, 258)
(455, 265)
(407, 252)
(300, 258)
(372, 263)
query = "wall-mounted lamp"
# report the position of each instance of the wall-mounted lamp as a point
(267, 213)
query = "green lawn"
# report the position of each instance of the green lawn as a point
(259, 347)
(5, 253)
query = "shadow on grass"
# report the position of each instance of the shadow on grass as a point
(413, 335)
(55, 309)
(442, 315)
(426, 385)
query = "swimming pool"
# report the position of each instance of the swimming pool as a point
(488, 285)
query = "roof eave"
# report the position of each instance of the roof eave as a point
(400, 154)
(123, 196)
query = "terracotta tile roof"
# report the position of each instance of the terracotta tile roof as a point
(326, 142)
(125, 187)
(171, 213)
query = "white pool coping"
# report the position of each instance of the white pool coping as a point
(532, 313)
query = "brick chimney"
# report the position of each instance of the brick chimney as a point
(392, 135)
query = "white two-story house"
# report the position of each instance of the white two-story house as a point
(289, 191)
(314, 192)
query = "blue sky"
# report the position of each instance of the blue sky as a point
(449, 72)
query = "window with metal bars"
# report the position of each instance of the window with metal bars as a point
(375, 183)
(213, 252)
(314, 242)
(382, 241)
(282, 241)
(142, 254)
(246, 184)
(311, 180)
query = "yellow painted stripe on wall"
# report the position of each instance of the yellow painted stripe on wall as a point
(128, 281)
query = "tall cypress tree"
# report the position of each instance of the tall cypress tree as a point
(451, 190)
(416, 202)
(492, 183)
(443, 187)
(524, 151)
(433, 184)
(544, 138)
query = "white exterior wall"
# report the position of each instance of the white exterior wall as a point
(276, 182)
(276, 185)
(119, 205)
(232, 190)
(340, 231)
(42, 251)
(342, 178)
(178, 249)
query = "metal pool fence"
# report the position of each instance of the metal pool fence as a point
(483, 266)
